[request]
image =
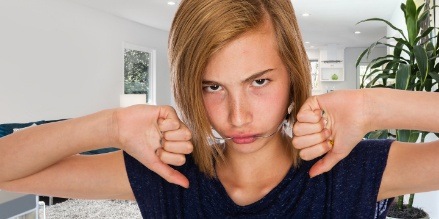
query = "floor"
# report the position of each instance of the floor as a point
(56, 200)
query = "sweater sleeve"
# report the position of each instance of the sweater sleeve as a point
(360, 173)
(146, 185)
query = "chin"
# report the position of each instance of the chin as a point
(247, 148)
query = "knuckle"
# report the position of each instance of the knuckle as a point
(176, 124)
(166, 145)
(322, 137)
(322, 124)
(168, 107)
(159, 152)
(300, 116)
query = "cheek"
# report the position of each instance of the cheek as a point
(276, 102)
(212, 104)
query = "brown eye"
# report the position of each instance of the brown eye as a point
(260, 82)
(212, 88)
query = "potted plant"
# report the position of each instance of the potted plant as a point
(411, 66)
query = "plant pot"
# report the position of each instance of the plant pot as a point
(406, 213)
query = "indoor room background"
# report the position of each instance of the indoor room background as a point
(60, 59)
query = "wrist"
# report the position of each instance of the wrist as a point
(113, 128)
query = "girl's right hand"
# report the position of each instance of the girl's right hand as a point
(155, 136)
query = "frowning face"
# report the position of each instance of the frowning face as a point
(246, 89)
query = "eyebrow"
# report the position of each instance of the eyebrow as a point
(249, 79)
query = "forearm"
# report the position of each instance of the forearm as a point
(396, 109)
(34, 149)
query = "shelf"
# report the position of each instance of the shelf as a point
(332, 72)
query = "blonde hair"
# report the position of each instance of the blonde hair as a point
(200, 28)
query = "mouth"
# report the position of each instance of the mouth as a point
(244, 139)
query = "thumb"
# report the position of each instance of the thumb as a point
(326, 163)
(169, 174)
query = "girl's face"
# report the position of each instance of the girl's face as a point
(246, 89)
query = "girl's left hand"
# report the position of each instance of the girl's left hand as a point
(331, 124)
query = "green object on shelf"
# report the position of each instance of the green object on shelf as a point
(334, 77)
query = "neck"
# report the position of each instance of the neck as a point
(247, 177)
(271, 160)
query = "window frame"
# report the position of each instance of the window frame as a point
(151, 97)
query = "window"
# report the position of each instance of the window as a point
(139, 71)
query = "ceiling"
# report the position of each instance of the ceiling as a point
(330, 21)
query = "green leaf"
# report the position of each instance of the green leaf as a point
(414, 135)
(403, 135)
(407, 135)
(374, 63)
(367, 51)
(430, 53)
(424, 34)
(428, 84)
(397, 50)
(376, 78)
(361, 57)
(399, 40)
(411, 21)
(405, 42)
(434, 75)
(380, 63)
(422, 61)
(419, 10)
(379, 134)
(423, 135)
(403, 76)
(437, 40)
(403, 9)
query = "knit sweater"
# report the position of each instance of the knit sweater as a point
(349, 190)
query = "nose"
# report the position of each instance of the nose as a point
(240, 110)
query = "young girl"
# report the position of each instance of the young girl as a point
(240, 76)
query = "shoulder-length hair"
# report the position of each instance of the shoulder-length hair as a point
(200, 28)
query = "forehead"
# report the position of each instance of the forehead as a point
(253, 51)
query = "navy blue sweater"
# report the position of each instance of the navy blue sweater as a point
(349, 190)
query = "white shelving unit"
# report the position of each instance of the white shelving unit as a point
(331, 71)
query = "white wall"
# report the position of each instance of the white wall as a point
(62, 60)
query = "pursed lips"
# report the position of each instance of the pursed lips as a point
(243, 139)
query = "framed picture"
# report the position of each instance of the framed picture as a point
(140, 71)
